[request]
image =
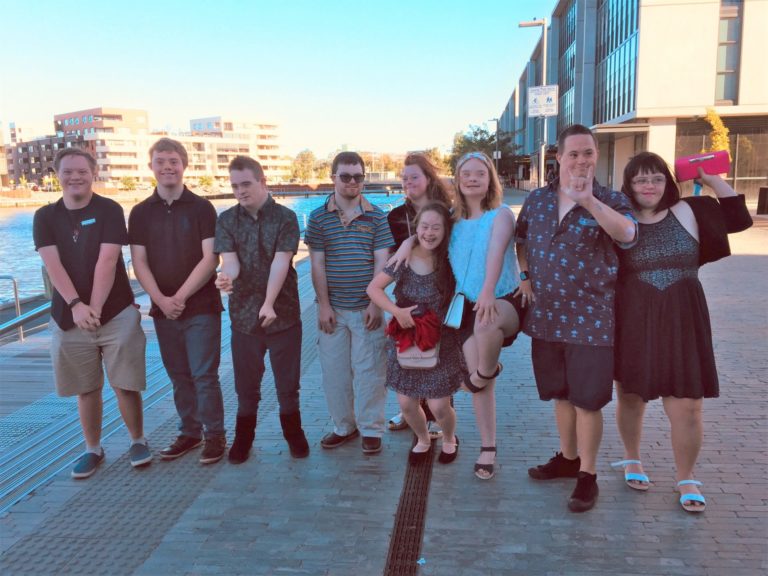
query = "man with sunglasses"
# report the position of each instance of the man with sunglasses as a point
(349, 241)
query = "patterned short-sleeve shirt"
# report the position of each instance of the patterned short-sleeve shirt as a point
(573, 266)
(255, 241)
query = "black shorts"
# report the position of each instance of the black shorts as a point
(583, 375)
(468, 317)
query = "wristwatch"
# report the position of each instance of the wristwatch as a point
(74, 302)
(524, 275)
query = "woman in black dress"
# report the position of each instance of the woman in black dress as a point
(663, 335)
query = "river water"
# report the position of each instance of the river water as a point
(19, 259)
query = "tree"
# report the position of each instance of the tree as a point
(719, 135)
(205, 182)
(479, 139)
(438, 160)
(322, 169)
(128, 183)
(303, 167)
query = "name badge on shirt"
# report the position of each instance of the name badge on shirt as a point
(88, 222)
(587, 221)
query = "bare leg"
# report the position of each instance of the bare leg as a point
(630, 410)
(445, 416)
(417, 420)
(565, 415)
(589, 433)
(484, 403)
(687, 431)
(130, 404)
(90, 407)
(490, 337)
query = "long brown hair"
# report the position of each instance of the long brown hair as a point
(492, 197)
(446, 283)
(436, 188)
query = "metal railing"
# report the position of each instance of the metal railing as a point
(18, 327)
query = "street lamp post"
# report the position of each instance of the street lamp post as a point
(496, 153)
(543, 149)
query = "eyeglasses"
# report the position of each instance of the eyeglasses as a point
(645, 180)
(347, 178)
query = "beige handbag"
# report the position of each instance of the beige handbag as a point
(415, 359)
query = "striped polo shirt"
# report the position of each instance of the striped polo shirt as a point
(348, 248)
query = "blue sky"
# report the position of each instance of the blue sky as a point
(384, 76)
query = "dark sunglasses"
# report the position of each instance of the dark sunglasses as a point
(347, 178)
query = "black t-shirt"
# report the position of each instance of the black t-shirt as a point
(173, 236)
(78, 235)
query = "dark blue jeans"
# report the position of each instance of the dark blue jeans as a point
(248, 360)
(191, 351)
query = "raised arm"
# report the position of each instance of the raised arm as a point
(619, 227)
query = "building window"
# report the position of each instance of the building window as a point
(728, 52)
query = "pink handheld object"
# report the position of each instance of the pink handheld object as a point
(686, 168)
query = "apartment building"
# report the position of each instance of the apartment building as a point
(120, 138)
(642, 74)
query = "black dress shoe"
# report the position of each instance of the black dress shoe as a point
(446, 458)
(371, 445)
(333, 440)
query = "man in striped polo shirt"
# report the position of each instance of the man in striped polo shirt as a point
(349, 240)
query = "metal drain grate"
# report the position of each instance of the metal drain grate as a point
(405, 544)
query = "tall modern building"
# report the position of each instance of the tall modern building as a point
(643, 73)
(120, 138)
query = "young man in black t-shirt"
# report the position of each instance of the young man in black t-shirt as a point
(171, 236)
(95, 321)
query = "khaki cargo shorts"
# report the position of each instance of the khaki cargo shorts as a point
(78, 355)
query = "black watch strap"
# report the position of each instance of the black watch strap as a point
(524, 275)
(74, 302)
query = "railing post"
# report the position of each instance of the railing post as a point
(17, 302)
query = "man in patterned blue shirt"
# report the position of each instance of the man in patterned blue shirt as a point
(349, 241)
(566, 233)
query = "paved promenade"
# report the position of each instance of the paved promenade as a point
(334, 512)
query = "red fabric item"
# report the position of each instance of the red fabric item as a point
(425, 334)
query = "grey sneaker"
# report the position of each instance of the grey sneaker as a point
(213, 449)
(139, 454)
(86, 465)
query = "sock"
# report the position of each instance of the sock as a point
(141, 440)
(95, 449)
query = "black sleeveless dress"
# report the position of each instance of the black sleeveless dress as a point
(663, 343)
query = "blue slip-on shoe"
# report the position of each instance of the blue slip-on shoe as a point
(634, 480)
(86, 465)
(687, 501)
(139, 454)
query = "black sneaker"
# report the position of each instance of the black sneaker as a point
(558, 467)
(180, 446)
(213, 450)
(585, 494)
(333, 440)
